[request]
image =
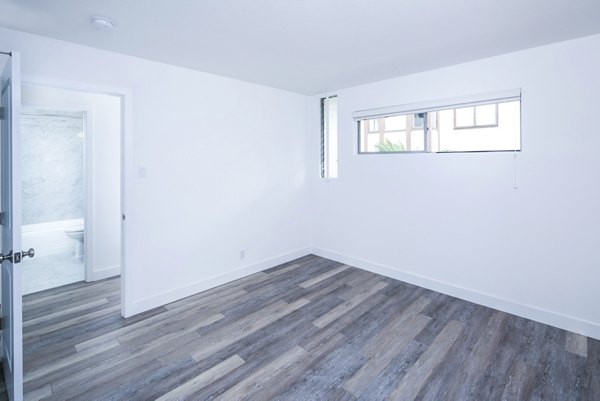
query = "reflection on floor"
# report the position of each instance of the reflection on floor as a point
(44, 272)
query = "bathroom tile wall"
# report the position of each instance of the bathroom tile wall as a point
(52, 151)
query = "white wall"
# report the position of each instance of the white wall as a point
(453, 222)
(104, 120)
(225, 162)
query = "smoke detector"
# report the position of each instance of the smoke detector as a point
(101, 23)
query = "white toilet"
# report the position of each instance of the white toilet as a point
(76, 233)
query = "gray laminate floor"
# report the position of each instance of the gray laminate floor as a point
(311, 329)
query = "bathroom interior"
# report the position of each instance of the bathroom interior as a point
(70, 178)
(52, 153)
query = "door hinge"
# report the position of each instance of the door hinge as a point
(2, 112)
(2, 214)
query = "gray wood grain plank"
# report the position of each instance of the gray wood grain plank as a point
(96, 388)
(59, 297)
(393, 329)
(138, 354)
(243, 327)
(162, 380)
(458, 375)
(492, 381)
(520, 382)
(348, 305)
(70, 322)
(188, 388)
(591, 384)
(259, 354)
(154, 323)
(576, 344)
(265, 342)
(38, 394)
(383, 385)
(369, 324)
(325, 377)
(411, 384)
(30, 323)
(380, 357)
(285, 378)
(344, 322)
(70, 360)
(323, 276)
(254, 383)
(56, 345)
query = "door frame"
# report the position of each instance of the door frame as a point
(127, 167)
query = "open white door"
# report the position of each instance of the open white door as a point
(12, 325)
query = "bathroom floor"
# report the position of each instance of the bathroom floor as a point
(42, 273)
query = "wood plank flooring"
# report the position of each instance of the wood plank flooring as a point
(311, 329)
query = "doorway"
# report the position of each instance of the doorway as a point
(10, 117)
(53, 188)
(71, 172)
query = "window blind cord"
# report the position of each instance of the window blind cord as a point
(515, 186)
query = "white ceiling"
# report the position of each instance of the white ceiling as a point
(309, 46)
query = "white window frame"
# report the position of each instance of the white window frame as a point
(433, 106)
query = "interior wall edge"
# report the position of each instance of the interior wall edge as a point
(166, 297)
(107, 272)
(549, 317)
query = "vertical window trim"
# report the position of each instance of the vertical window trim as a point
(325, 136)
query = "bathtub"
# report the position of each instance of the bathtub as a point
(49, 238)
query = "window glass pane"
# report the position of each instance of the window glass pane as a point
(504, 135)
(465, 117)
(393, 142)
(417, 141)
(374, 125)
(486, 115)
(396, 123)
(397, 136)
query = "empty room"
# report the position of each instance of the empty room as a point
(300, 200)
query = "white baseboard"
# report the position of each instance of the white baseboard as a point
(107, 272)
(166, 297)
(552, 318)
